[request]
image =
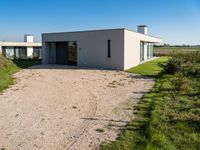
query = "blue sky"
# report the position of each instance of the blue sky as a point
(175, 21)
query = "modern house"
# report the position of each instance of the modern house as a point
(118, 49)
(26, 49)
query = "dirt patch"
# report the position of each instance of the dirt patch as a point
(59, 107)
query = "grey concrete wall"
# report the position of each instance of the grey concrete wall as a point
(51, 52)
(91, 47)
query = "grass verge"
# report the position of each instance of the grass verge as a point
(9, 67)
(166, 118)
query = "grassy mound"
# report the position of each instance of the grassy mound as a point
(9, 67)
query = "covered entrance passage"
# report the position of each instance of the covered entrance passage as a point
(62, 53)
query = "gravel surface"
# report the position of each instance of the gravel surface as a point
(61, 107)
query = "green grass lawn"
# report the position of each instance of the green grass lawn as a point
(151, 68)
(166, 119)
(9, 67)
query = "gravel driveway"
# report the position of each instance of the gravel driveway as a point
(60, 107)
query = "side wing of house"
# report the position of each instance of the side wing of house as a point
(20, 50)
(137, 48)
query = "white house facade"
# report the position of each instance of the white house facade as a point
(118, 49)
(26, 49)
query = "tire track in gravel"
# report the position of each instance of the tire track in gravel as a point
(73, 141)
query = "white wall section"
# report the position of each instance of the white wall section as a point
(92, 47)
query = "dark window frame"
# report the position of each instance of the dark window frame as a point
(109, 48)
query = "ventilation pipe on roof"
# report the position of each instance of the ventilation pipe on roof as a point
(143, 29)
(28, 38)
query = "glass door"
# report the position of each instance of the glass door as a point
(72, 52)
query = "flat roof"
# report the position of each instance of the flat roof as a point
(99, 30)
(22, 44)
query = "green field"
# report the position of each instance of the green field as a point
(9, 67)
(168, 117)
(169, 50)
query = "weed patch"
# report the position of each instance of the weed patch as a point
(100, 130)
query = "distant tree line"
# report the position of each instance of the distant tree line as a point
(168, 45)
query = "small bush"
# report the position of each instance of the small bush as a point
(191, 69)
(172, 66)
(187, 63)
(193, 57)
(179, 82)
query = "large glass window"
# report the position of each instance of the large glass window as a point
(151, 50)
(37, 52)
(141, 51)
(22, 52)
(148, 51)
(8, 52)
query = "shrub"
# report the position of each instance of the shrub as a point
(193, 57)
(179, 82)
(188, 63)
(191, 69)
(173, 65)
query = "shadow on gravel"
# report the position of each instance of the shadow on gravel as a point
(110, 120)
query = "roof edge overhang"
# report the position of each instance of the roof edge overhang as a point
(23, 44)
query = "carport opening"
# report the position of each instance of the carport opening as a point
(63, 53)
